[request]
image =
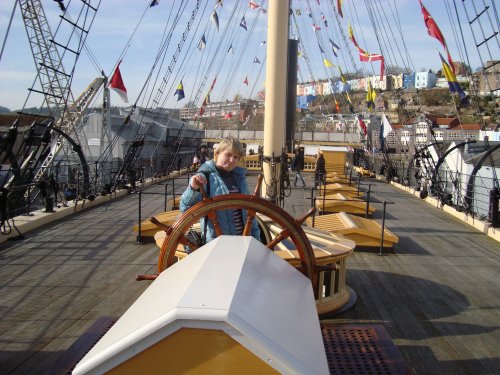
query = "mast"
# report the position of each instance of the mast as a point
(275, 102)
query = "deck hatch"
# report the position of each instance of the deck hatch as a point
(357, 349)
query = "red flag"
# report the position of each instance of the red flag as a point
(433, 30)
(369, 57)
(203, 105)
(432, 27)
(213, 84)
(116, 83)
(253, 5)
(246, 81)
(339, 8)
(362, 125)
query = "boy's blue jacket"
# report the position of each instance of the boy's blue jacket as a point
(217, 187)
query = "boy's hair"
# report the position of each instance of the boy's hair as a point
(230, 143)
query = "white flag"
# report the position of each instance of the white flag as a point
(387, 126)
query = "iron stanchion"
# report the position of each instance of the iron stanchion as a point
(77, 187)
(173, 193)
(165, 200)
(314, 214)
(28, 203)
(383, 227)
(96, 174)
(139, 238)
(324, 200)
(368, 200)
(359, 182)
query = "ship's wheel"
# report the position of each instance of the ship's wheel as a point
(175, 235)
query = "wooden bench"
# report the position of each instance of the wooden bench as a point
(364, 232)
(340, 202)
(148, 229)
(339, 179)
(347, 190)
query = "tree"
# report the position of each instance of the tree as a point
(396, 70)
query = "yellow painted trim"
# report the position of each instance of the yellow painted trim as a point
(195, 351)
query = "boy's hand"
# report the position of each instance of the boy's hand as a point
(196, 181)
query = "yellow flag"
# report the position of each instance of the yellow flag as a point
(327, 63)
(341, 75)
(351, 33)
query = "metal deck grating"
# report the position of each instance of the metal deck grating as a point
(366, 350)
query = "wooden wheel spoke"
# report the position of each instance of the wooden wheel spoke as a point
(301, 220)
(284, 234)
(158, 223)
(256, 192)
(186, 241)
(248, 224)
(212, 216)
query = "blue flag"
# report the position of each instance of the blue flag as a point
(335, 47)
(180, 91)
(202, 43)
(453, 83)
(243, 23)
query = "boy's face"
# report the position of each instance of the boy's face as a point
(227, 159)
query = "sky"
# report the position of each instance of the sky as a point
(109, 40)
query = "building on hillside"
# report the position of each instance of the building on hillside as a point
(303, 101)
(374, 81)
(408, 81)
(318, 88)
(425, 80)
(460, 68)
(362, 84)
(463, 132)
(327, 87)
(383, 84)
(354, 84)
(340, 86)
(443, 122)
(301, 89)
(392, 104)
(386, 84)
(487, 81)
(310, 89)
(397, 81)
(442, 83)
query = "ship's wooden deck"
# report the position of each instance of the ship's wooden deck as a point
(437, 295)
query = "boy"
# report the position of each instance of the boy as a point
(222, 176)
